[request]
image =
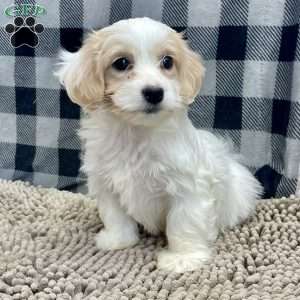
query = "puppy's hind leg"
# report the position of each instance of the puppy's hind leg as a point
(191, 230)
(120, 230)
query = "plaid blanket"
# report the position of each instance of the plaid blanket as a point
(251, 92)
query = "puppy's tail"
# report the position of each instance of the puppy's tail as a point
(243, 192)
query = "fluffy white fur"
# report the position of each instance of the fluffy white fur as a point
(155, 169)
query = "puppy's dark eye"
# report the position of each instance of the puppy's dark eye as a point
(121, 64)
(167, 62)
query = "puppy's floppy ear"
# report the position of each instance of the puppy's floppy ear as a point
(192, 73)
(82, 75)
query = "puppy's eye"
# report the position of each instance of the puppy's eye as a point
(121, 64)
(167, 62)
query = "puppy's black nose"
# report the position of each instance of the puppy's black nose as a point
(153, 95)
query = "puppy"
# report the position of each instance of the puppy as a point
(145, 161)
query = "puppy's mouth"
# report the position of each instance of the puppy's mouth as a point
(152, 109)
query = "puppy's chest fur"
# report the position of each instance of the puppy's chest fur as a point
(131, 165)
(140, 181)
(135, 171)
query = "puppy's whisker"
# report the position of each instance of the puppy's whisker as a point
(91, 106)
(183, 96)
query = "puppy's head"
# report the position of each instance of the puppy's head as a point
(138, 69)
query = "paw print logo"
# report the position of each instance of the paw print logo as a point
(24, 32)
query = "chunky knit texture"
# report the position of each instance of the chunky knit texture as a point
(47, 251)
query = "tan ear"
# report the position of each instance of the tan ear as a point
(82, 75)
(192, 73)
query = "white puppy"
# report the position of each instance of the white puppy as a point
(145, 161)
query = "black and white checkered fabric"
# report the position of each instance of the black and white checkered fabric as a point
(251, 91)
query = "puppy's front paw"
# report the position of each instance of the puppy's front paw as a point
(181, 262)
(111, 240)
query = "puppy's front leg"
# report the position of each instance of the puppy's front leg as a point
(191, 230)
(120, 230)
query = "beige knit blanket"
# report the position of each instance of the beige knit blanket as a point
(47, 251)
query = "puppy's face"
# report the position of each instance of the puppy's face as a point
(139, 69)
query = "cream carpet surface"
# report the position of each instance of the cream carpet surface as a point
(47, 251)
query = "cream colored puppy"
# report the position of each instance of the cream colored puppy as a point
(145, 161)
